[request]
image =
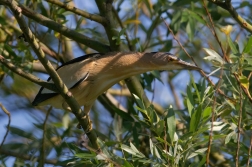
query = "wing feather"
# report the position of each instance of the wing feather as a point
(72, 73)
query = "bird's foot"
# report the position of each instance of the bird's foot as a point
(89, 124)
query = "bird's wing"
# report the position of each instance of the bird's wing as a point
(72, 74)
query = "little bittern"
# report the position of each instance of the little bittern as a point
(89, 76)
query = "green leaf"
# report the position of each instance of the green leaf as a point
(122, 32)
(244, 81)
(66, 121)
(127, 164)
(10, 50)
(22, 133)
(171, 123)
(195, 86)
(156, 74)
(197, 17)
(195, 120)
(156, 153)
(207, 112)
(218, 126)
(124, 115)
(203, 88)
(139, 102)
(154, 118)
(132, 150)
(85, 155)
(114, 38)
(214, 57)
(229, 137)
(151, 146)
(190, 28)
(189, 100)
(248, 46)
(232, 45)
(197, 152)
(159, 128)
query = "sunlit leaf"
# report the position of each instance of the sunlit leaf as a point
(132, 22)
(171, 123)
(197, 152)
(214, 57)
(227, 29)
(244, 81)
(139, 102)
(207, 112)
(151, 146)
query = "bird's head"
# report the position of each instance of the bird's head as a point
(167, 61)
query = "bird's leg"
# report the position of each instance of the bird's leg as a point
(86, 116)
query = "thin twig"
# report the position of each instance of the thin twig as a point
(165, 146)
(212, 29)
(131, 47)
(210, 140)
(222, 49)
(8, 125)
(249, 76)
(43, 144)
(72, 34)
(239, 131)
(201, 71)
(84, 144)
(214, 32)
(176, 98)
(228, 6)
(67, 6)
(174, 37)
(49, 51)
(27, 75)
(82, 117)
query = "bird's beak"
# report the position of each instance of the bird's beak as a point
(175, 63)
(185, 65)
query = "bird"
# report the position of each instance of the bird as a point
(90, 75)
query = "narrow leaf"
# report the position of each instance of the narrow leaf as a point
(195, 120)
(151, 146)
(244, 81)
(248, 46)
(232, 45)
(171, 123)
(214, 57)
(189, 100)
(139, 101)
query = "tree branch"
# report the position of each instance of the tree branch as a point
(8, 126)
(49, 51)
(63, 90)
(96, 18)
(27, 75)
(106, 9)
(64, 30)
(228, 6)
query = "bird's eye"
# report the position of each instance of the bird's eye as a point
(172, 58)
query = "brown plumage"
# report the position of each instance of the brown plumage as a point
(89, 76)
